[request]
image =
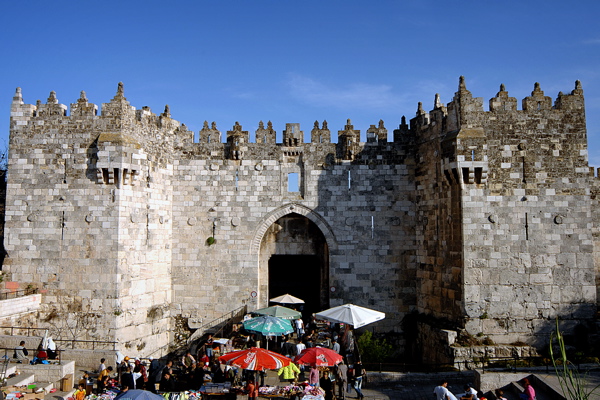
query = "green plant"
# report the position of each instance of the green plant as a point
(488, 341)
(210, 241)
(117, 312)
(572, 383)
(373, 350)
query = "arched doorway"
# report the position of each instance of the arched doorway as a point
(294, 257)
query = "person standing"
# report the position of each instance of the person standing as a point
(187, 361)
(102, 366)
(299, 328)
(327, 385)
(341, 372)
(289, 373)
(313, 378)
(299, 347)
(51, 350)
(127, 379)
(100, 382)
(359, 373)
(167, 383)
(335, 346)
(252, 389)
(208, 346)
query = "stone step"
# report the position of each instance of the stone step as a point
(21, 380)
(11, 369)
(43, 386)
(543, 391)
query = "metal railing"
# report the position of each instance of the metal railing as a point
(5, 295)
(74, 344)
(225, 320)
(7, 355)
(17, 330)
(64, 343)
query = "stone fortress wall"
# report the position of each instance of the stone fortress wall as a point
(480, 219)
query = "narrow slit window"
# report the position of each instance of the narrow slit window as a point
(478, 175)
(465, 173)
(349, 181)
(293, 184)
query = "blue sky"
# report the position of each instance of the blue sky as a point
(298, 61)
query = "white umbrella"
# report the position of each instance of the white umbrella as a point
(287, 299)
(351, 314)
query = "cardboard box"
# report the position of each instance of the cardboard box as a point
(32, 396)
(66, 383)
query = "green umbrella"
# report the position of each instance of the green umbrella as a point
(269, 326)
(279, 312)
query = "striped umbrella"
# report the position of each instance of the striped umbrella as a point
(319, 356)
(255, 359)
(279, 312)
(269, 326)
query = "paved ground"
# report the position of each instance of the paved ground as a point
(421, 389)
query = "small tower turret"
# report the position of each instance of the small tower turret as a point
(348, 141)
(265, 135)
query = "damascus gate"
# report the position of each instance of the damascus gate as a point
(464, 218)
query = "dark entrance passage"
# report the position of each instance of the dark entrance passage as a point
(300, 276)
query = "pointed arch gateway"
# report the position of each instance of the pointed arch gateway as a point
(292, 246)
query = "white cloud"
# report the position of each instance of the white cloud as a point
(351, 96)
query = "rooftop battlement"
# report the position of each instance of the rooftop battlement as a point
(463, 111)
(463, 106)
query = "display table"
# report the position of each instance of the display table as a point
(218, 391)
(291, 391)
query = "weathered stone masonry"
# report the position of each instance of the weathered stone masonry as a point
(481, 218)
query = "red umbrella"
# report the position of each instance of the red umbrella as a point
(255, 359)
(319, 356)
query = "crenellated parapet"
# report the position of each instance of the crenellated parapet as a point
(292, 135)
(265, 135)
(52, 107)
(348, 141)
(320, 135)
(470, 138)
(209, 135)
(82, 108)
(502, 102)
(467, 111)
(237, 141)
(537, 101)
(377, 134)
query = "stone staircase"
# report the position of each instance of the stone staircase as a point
(543, 390)
(41, 385)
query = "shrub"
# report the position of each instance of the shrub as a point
(373, 350)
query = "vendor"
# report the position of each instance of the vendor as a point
(252, 389)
